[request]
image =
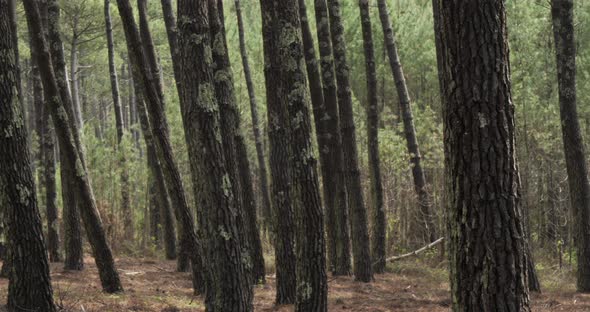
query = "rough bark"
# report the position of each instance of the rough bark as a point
(125, 200)
(50, 189)
(232, 138)
(160, 131)
(262, 171)
(335, 193)
(577, 169)
(229, 287)
(378, 238)
(29, 286)
(487, 243)
(280, 169)
(59, 104)
(172, 35)
(424, 201)
(312, 286)
(360, 233)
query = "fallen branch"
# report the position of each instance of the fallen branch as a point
(415, 252)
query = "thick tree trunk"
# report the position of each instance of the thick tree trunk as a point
(50, 189)
(360, 233)
(158, 124)
(125, 200)
(229, 286)
(562, 12)
(426, 214)
(487, 243)
(312, 286)
(30, 286)
(280, 169)
(262, 171)
(230, 125)
(335, 193)
(60, 105)
(379, 222)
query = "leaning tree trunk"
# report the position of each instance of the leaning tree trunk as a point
(562, 12)
(280, 169)
(60, 105)
(312, 286)
(73, 249)
(487, 244)
(335, 195)
(424, 200)
(229, 287)
(184, 252)
(125, 200)
(360, 233)
(262, 171)
(29, 286)
(230, 125)
(378, 238)
(153, 103)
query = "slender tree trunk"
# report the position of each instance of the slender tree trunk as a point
(60, 105)
(360, 233)
(50, 189)
(229, 288)
(334, 194)
(186, 247)
(172, 35)
(159, 126)
(487, 243)
(292, 92)
(74, 86)
(379, 222)
(125, 200)
(262, 171)
(562, 12)
(230, 124)
(280, 169)
(30, 285)
(73, 250)
(424, 200)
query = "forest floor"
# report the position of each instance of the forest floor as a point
(152, 285)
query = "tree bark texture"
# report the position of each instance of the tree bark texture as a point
(29, 286)
(280, 168)
(229, 287)
(378, 239)
(335, 194)
(577, 169)
(360, 233)
(59, 103)
(487, 247)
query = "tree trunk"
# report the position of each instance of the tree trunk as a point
(229, 288)
(125, 200)
(379, 220)
(50, 189)
(312, 286)
(562, 13)
(157, 119)
(60, 105)
(29, 286)
(234, 141)
(73, 249)
(172, 35)
(335, 193)
(487, 243)
(360, 233)
(280, 169)
(74, 86)
(426, 214)
(262, 171)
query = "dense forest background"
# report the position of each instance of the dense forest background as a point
(120, 165)
(534, 91)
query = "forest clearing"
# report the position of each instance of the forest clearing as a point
(294, 155)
